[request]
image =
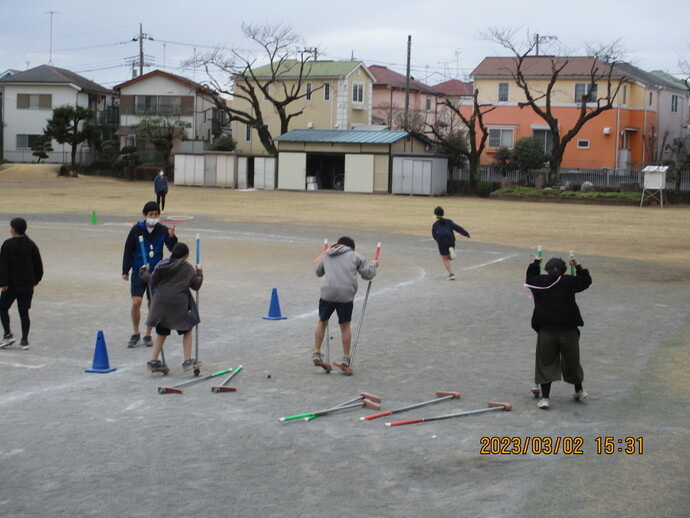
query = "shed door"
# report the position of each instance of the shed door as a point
(359, 173)
(210, 162)
(264, 173)
(292, 171)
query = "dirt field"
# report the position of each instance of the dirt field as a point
(647, 234)
(94, 445)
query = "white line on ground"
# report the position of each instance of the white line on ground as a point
(474, 267)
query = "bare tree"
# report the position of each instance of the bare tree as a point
(475, 130)
(283, 79)
(604, 82)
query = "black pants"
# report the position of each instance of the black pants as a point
(160, 199)
(23, 295)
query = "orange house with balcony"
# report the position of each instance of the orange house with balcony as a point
(622, 138)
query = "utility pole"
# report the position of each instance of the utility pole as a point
(407, 83)
(141, 39)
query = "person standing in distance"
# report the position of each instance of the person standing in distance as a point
(443, 230)
(556, 319)
(21, 269)
(156, 235)
(160, 187)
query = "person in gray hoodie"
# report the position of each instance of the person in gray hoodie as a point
(173, 306)
(339, 267)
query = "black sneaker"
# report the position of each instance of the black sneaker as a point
(6, 341)
(155, 364)
(148, 341)
(188, 365)
(133, 341)
(24, 344)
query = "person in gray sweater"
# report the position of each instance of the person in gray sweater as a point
(339, 267)
(173, 306)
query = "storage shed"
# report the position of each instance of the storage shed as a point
(350, 160)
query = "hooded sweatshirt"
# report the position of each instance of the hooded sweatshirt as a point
(339, 268)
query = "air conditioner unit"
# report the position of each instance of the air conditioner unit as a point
(607, 131)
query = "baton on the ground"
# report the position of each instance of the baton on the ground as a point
(364, 307)
(441, 396)
(175, 389)
(361, 397)
(365, 403)
(221, 387)
(491, 407)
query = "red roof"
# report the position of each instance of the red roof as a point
(539, 66)
(454, 88)
(182, 80)
(385, 77)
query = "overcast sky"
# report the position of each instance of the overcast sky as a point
(94, 38)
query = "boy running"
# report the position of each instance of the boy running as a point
(443, 232)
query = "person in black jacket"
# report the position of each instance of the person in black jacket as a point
(21, 269)
(443, 232)
(156, 236)
(556, 319)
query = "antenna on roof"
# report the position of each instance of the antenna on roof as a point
(51, 13)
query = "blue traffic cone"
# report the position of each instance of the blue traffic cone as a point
(274, 308)
(100, 357)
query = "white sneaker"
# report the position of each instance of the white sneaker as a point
(452, 253)
(451, 277)
(580, 394)
(543, 403)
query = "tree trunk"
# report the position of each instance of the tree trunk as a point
(474, 173)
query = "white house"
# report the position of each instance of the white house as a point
(162, 94)
(29, 98)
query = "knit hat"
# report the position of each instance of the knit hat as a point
(555, 266)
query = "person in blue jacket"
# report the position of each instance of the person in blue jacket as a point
(156, 235)
(160, 187)
(443, 230)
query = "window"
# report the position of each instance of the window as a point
(146, 104)
(428, 104)
(583, 90)
(308, 88)
(327, 91)
(26, 141)
(358, 93)
(34, 101)
(500, 137)
(625, 94)
(248, 133)
(546, 138)
(651, 98)
(502, 92)
(583, 144)
(674, 103)
(169, 105)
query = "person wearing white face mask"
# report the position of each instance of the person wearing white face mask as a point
(155, 236)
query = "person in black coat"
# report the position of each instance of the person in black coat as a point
(556, 318)
(443, 231)
(21, 269)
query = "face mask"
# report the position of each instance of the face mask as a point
(151, 222)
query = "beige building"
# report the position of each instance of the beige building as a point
(338, 95)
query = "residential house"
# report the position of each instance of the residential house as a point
(162, 94)
(457, 93)
(28, 102)
(389, 93)
(338, 95)
(618, 139)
